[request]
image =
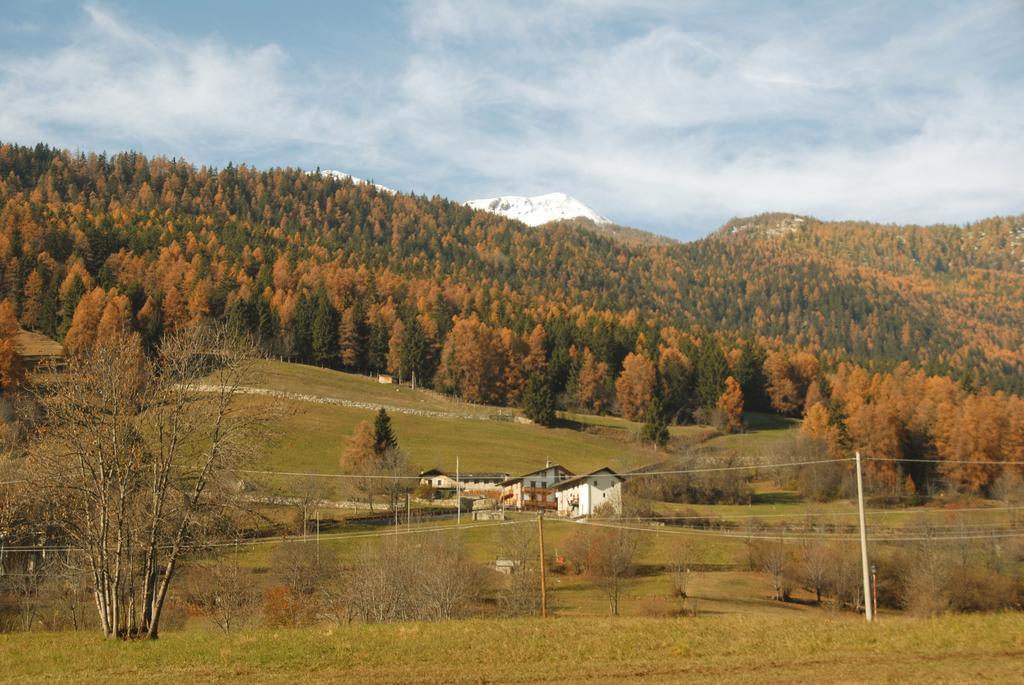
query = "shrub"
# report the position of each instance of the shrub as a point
(397, 580)
(980, 589)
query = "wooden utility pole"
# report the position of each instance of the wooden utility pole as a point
(869, 612)
(318, 536)
(543, 580)
(458, 492)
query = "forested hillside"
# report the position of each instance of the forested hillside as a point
(326, 271)
(948, 299)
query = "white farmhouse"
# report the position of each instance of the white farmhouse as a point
(583, 495)
(534, 490)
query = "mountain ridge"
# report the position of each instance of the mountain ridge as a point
(187, 241)
(538, 209)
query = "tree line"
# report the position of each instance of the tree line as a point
(324, 271)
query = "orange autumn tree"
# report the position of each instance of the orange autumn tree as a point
(972, 437)
(536, 356)
(635, 386)
(593, 386)
(31, 308)
(817, 425)
(473, 362)
(731, 405)
(12, 372)
(789, 378)
(359, 460)
(85, 323)
(515, 351)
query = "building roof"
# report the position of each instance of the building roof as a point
(579, 479)
(512, 481)
(36, 345)
(464, 476)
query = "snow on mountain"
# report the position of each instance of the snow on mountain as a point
(539, 209)
(341, 176)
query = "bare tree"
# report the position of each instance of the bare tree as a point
(310, 496)
(65, 592)
(776, 560)
(520, 594)
(926, 580)
(610, 561)
(683, 566)
(223, 590)
(816, 566)
(400, 579)
(303, 572)
(845, 575)
(1009, 489)
(448, 581)
(378, 585)
(397, 476)
(25, 581)
(134, 454)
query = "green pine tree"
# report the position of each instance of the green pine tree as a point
(323, 329)
(539, 400)
(377, 354)
(383, 434)
(676, 383)
(67, 312)
(415, 351)
(749, 373)
(712, 370)
(300, 340)
(655, 428)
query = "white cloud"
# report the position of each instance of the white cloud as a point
(673, 125)
(660, 115)
(115, 85)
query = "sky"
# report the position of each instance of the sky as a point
(668, 116)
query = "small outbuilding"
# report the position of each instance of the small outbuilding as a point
(487, 484)
(35, 349)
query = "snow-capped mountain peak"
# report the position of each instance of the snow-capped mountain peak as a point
(539, 209)
(341, 176)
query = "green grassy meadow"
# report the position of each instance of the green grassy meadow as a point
(709, 648)
(312, 436)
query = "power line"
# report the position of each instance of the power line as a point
(791, 536)
(634, 474)
(712, 516)
(744, 467)
(277, 540)
(949, 461)
(710, 469)
(305, 474)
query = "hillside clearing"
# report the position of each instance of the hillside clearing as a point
(434, 429)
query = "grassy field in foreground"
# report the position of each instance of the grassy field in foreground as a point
(720, 649)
